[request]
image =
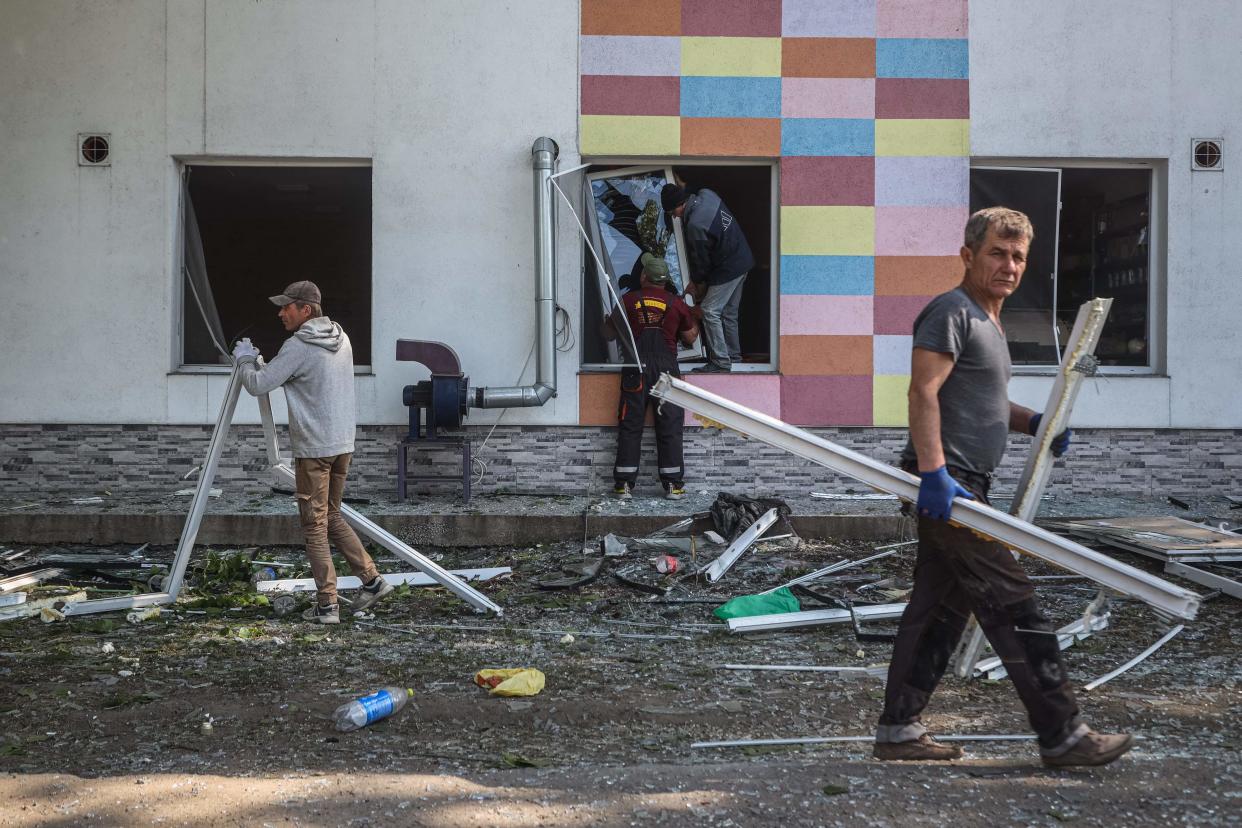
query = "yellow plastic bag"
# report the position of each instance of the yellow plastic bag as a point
(516, 681)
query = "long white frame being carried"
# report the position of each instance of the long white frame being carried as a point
(1014, 533)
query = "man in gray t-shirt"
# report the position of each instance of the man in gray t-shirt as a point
(960, 417)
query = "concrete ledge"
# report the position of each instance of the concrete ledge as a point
(164, 529)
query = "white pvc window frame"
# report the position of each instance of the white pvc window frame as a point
(176, 356)
(1157, 264)
(774, 309)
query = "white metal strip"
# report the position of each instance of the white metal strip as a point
(740, 544)
(1011, 531)
(813, 618)
(1067, 637)
(1138, 658)
(808, 668)
(828, 570)
(1207, 579)
(394, 578)
(284, 475)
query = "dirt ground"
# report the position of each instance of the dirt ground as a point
(89, 737)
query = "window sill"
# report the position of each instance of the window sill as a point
(225, 370)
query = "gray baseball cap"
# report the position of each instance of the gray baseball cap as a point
(299, 292)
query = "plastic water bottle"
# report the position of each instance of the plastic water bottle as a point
(362, 712)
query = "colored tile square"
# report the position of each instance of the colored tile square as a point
(896, 314)
(890, 401)
(703, 97)
(917, 275)
(828, 57)
(826, 180)
(827, 315)
(922, 98)
(891, 353)
(762, 392)
(826, 401)
(598, 398)
(921, 58)
(919, 231)
(633, 17)
(828, 275)
(828, 18)
(731, 56)
(921, 18)
(629, 135)
(758, 137)
(630, 95)
(922, 137)
(827, 231)
(827, 136)
(825, 355)
(828, 97)
(605, 55)
(731, 18)
(922, 181)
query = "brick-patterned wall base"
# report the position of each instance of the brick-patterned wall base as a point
(150, 459)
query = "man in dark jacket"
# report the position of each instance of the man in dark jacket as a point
(719, 261)
(658, 318)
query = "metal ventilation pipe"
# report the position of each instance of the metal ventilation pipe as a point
(543, 161)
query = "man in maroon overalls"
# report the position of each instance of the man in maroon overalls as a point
(658, 318)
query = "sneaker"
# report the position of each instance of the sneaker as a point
(329, 614)
(710, 368)
(1091, 749)
(372, 593)
(674, 491)
(624, 491)
(924, 747)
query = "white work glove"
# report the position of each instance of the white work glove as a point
(244, 350)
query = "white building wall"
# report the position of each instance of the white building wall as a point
(445, 98)
(1133, 79)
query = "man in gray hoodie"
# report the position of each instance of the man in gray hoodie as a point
(316, 368)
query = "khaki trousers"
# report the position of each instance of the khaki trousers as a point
(320, 486)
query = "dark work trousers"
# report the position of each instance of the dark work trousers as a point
(656, 358)
(957, 573)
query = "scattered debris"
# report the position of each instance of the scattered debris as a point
(667, 564)
(611, 547)
(579, 574)
(143, 614)
(878, 671)
(828, 570)
(519, 681)
(1208, 579)
(815, 618)
(740, 544)
(826, 740)
(369, 709)
(779, 601)
(190, 493)
(1165, 539)
(833, 496)
(30, 608)
(29, 579)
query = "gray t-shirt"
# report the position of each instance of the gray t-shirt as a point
(974, 400)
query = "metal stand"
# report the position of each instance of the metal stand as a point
(403, 475)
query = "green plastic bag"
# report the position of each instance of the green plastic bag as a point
(744, 606)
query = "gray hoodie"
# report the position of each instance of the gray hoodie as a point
(316, 367)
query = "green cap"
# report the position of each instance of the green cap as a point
(656, 269)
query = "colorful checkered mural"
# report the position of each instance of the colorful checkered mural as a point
(866, 104)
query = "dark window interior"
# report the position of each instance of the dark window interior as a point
(747, 191)
(264, 227)
(1100, 246)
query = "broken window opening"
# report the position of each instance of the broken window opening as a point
(1093, 239)
(248, 231)
(747, 189)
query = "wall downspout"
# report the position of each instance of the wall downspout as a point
(543, 161)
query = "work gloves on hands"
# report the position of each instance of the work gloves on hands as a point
(1060, 443)
(936, 494)
(244, 350)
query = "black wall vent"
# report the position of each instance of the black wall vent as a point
(1208, 154)
(94, 149)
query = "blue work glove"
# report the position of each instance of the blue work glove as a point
(1060, 443)
(244, 350)
(936, 494)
